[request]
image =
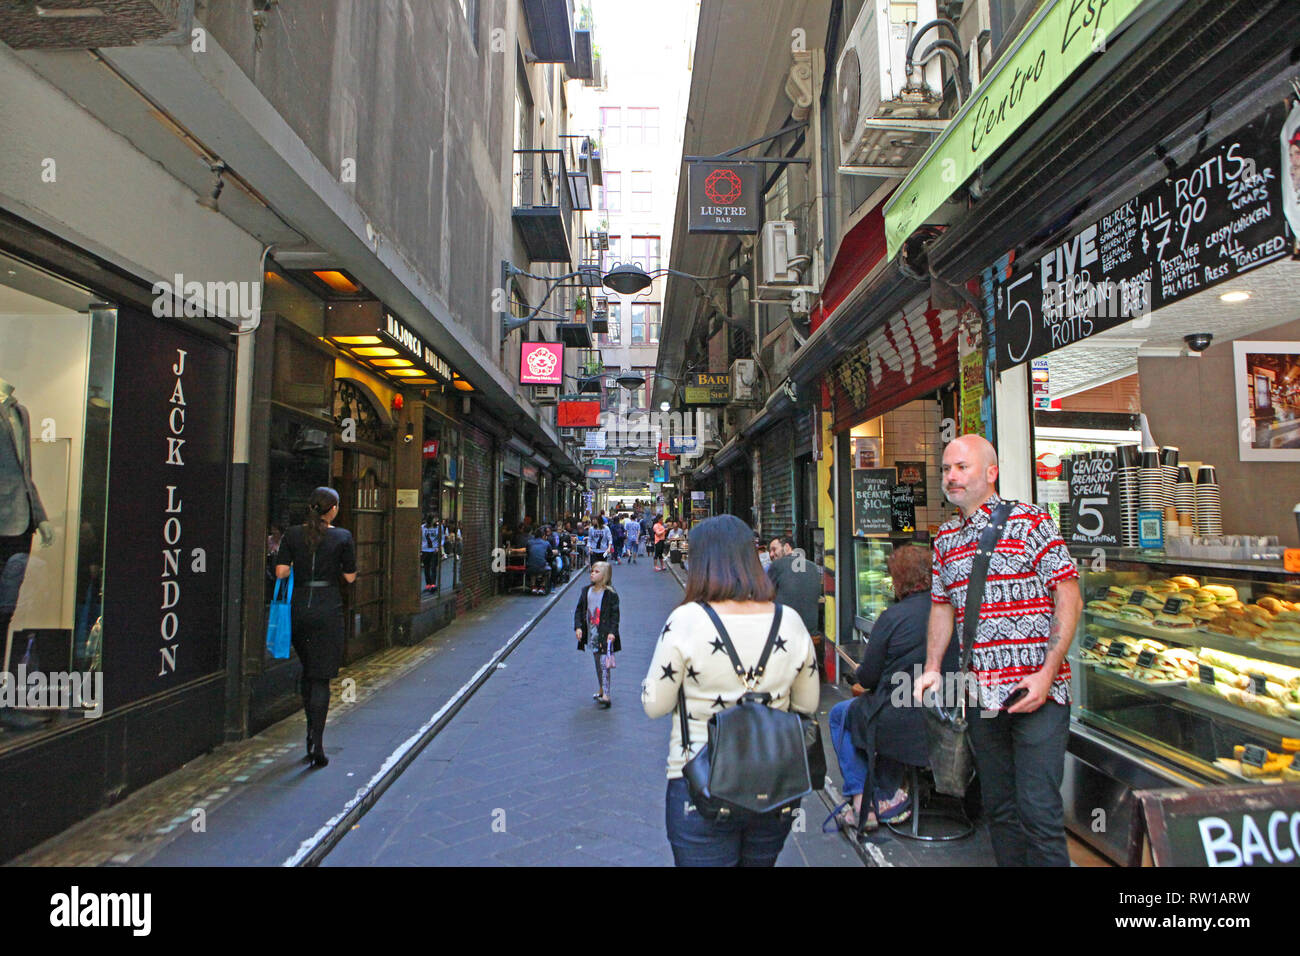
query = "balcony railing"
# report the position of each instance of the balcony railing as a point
(543, 204)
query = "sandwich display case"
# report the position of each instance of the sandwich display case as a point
(875, 588)
(1185, 673)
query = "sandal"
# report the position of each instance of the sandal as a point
(841, 817)
(898, 811)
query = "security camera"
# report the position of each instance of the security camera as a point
(1198, 341)
(408, 438)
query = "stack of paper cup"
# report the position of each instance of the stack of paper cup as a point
(1169, 474)
(1126, 478)
(1151, 481)
(1185, 499)
(1209, 505)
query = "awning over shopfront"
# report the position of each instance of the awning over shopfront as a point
(909, 356)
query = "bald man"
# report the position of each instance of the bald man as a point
(1027, 619)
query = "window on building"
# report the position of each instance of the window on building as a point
(642, 190)
(645, 250)
(469, 10)
(615, 334)
(612, 256)
(643, 126)
(645, 323)
(613, 193)
(610, 125)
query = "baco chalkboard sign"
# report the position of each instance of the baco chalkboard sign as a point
(873, 491)
(1094, 499)
(1222, 826)
(1214, 217)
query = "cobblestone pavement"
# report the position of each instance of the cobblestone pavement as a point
(246, 801)
(533, 772)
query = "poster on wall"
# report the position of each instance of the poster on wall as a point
(1267, 380)
(1290, 156)
(167, 525)
(42, 428)
(912, 473)
(1217, 216)
(867, 452)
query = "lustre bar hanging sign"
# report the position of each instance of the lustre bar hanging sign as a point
(1216, 216)
(723, 198)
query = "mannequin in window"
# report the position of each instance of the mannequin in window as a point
(21, 511)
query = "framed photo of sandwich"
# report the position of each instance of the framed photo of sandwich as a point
(1267, 382)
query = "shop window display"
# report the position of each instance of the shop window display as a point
(441, 538)
(56, 383)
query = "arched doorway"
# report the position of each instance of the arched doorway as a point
(362, 473)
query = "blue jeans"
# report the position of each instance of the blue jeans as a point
(853, 765)
(756, 841)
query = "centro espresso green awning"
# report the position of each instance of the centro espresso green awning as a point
(1059, 39)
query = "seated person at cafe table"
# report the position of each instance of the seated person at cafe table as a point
(879, 734)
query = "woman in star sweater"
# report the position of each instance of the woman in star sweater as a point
(725, 573)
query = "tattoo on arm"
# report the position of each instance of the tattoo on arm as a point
(1054, 635)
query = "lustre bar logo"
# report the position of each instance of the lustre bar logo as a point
(76, 909)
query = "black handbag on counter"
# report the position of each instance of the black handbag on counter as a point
(758, 759)
(951, 760)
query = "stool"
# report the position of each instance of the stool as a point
(911, 830)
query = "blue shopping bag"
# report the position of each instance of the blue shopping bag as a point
(278, 635)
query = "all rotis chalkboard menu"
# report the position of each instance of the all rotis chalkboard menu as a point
(1214, 217)
(902, 508)
(1094, 499)
(873, 493)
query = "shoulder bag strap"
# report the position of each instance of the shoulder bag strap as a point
(730, 648)
(988, 543)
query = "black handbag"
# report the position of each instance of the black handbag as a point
(757, 758)
(946, 728)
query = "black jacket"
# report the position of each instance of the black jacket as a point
(896, 646)
(539, 555)
(608, 619)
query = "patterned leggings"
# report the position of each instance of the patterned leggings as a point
(603, 674)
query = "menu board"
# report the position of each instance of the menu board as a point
(1218, 826)
(902, 506)
(873, 493)
(1214, 217)
(1094, 500)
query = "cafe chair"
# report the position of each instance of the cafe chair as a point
(928, 823)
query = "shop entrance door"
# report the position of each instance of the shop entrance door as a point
(362, 475)
(362, 480)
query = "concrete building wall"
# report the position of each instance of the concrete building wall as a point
(405, 92)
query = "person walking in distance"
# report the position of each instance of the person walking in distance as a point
(595, 620)
(632, 538)
(599, 541)
(431, 535)
(660, 532)
(1026, 620)
(321, 554)
(725, 588)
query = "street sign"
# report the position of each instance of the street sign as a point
(605, 463)
(724, 197)
(708, 388)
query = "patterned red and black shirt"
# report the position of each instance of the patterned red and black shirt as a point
(1016, 616)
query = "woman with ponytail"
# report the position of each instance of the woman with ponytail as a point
(321, 555)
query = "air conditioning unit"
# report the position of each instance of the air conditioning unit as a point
(780, 254)
(744, 382)
(546, 394)
(885, 122)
